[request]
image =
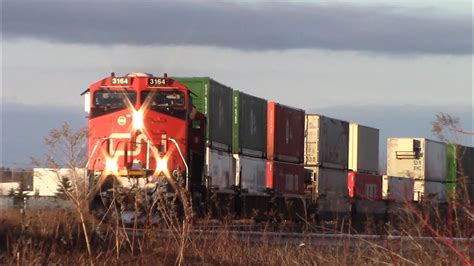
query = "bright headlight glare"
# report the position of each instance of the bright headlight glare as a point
(137, 120)
(111, 165)
(161, 165)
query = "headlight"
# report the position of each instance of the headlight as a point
(111, 165)
(137, 120)
(161, 165)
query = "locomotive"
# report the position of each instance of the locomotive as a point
(145, 139)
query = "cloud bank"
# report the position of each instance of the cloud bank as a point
(261, 26)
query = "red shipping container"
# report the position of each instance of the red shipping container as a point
(287, 178)
(285, 133)
(364, 186)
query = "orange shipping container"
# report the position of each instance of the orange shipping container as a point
(285, 133)
(285, 177)
(364, 186)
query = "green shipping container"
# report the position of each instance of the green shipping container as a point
(249, 125)
(214, 100)
(460, 171)
(465, 170)
(451, 174)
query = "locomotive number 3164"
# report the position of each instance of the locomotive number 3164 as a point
(120, 81)
(156, 81)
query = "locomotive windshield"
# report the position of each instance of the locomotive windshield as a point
(169, 102)
(114, 99)
(164, 98)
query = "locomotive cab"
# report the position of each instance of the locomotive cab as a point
(144, 136)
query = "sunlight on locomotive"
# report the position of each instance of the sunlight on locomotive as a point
(137, 119)
(111, 165)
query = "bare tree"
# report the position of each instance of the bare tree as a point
(66, 155)
(447, 128)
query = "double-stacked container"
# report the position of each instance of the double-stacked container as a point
(326, 159)
(364, 182)
(214, 100)
(249, 138)
(422, 160)
(364, 162)
(285, 141)
(465, 172)
(460, 171)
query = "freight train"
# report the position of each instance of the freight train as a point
(237, 155)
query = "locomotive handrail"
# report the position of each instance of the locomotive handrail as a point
(94, 149)
(184, 161)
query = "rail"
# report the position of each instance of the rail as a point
(318, 239)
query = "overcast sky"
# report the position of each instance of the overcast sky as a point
(317, 55)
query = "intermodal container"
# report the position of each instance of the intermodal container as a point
(364, 186)
(363, 149)
(285, 133)
(465, 172)
(418, 158)
(331, 183)
(214, 100)
(251, 173)
(433, 191)
(451, 169)
(326, 142)
(398, 189)
(249, 125)
(402, 189)
(287, 178)
(219, 169)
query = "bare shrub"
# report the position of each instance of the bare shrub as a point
(66, 147)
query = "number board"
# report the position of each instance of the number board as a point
(156, 81)
(120, 81)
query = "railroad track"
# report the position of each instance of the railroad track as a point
(318, 239)
(304, 239)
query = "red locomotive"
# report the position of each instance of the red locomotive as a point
(141, 128)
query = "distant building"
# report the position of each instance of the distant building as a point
(43, 182)
(46, 180)
(8, 175)
(5, 187)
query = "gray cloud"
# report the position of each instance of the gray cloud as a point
(268, 26)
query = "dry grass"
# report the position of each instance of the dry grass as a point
(55, 236)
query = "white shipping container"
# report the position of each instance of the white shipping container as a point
(219, 168)
(331, 183)
(363, 149)
(399, 189)
(251, 173)
(326, 142)
(418, 158)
